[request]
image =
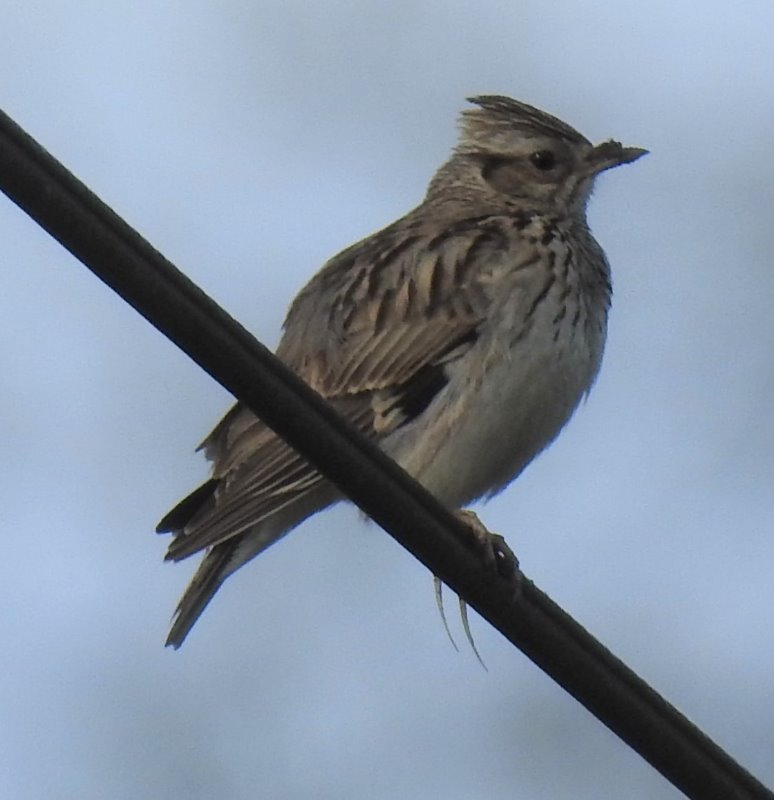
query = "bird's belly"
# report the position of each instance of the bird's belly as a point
(488, 424)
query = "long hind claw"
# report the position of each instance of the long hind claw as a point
(468, 634)
(439, 602)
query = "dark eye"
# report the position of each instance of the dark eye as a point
(543, 159)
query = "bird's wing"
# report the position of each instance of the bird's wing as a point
(372, 333)
(383, 310)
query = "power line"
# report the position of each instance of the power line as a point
(127, 263)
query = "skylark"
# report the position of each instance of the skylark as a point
(461, 338)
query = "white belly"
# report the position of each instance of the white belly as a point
(498, 411)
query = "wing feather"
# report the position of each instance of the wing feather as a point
(371, 332)
(352, 329)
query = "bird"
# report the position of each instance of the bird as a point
(460, 338)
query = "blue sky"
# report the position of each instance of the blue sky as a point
(250, 142)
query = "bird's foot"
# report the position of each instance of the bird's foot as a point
(497, 555)
(494, 548)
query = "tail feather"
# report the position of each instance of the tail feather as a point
(176, 519)
(228, 555)
(205, 583)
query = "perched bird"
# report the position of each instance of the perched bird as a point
(461, 338)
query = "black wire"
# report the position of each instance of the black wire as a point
(165, 297)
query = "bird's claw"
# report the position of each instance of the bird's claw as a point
(497, 555)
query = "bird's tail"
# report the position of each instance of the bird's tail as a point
(205, 583)
(228, 555)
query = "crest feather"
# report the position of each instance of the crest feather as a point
(497, 117)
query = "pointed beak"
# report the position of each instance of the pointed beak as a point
(611, 154)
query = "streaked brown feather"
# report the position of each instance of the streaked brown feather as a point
(367, 331)
(363, 343)
(269, 477)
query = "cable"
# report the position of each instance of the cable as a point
(127, 263)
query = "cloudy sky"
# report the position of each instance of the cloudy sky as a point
(249, 142)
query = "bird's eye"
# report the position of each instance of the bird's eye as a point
(543, 159)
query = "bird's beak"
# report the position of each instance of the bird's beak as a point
(611, 154)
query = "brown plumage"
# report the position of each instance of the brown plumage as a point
(461, 338)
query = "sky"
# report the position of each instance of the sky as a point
(249, 142)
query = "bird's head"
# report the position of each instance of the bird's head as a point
(514, 154)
